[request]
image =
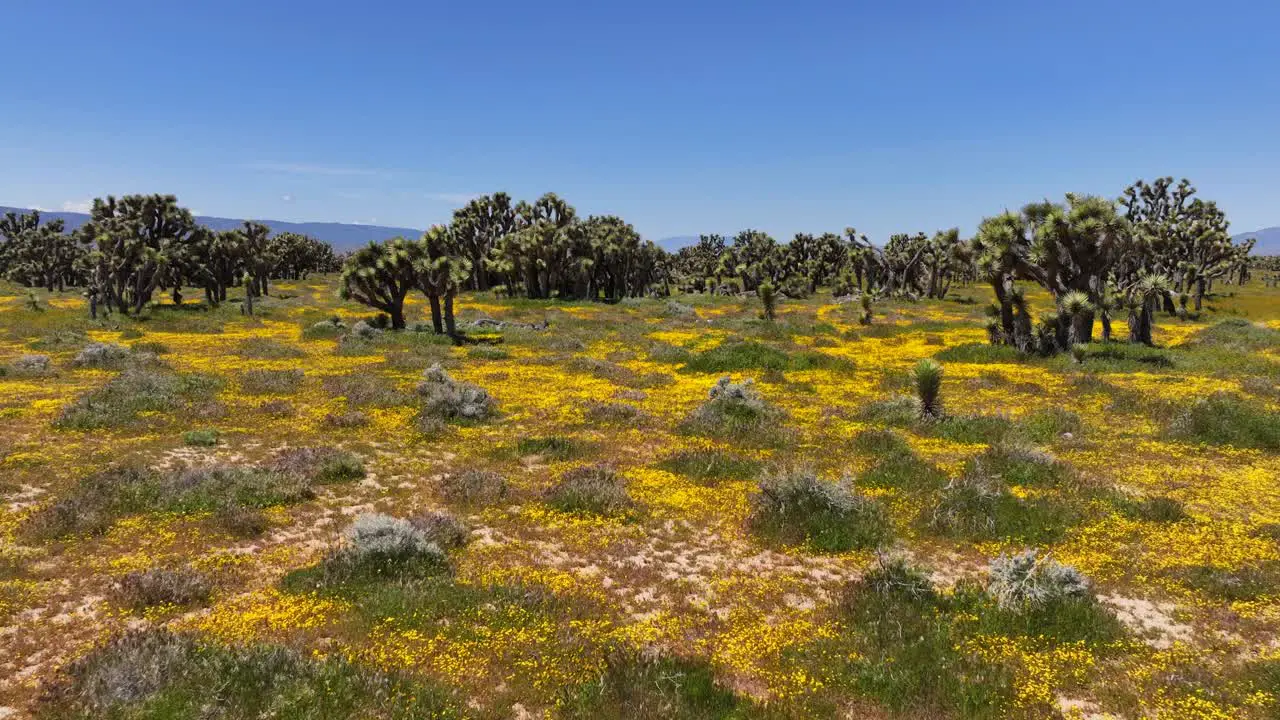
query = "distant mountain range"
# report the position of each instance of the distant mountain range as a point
(345, 236)
(341, 236)
(1267, 240)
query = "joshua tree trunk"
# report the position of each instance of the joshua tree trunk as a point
(435, 314)
(1200, 288)
(449, 325)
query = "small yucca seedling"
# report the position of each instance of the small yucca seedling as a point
(768, 300)
(927, 376)
(866, 316)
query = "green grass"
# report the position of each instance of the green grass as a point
(200, 438)
(979, 353)
(554, 447)
(739, 355)
(710, 465)
(1226, 419)
(663, 688)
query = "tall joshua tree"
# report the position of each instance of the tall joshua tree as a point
(441, 270)
(381, 275)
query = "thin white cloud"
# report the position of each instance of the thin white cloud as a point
(77, 206)
(309, 169)
(287, 197)
(452, 198)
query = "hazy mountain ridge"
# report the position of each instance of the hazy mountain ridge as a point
(342, 236)
(1268, 240)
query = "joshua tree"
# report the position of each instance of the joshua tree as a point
(441, 270)
(768, 300)
(928, 381)
(1077, 311)
(1141, 298)
(380, 275)
(865, 317)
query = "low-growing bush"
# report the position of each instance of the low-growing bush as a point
(163, 586)
(647, 688)
(1251, 580)
(97, 500)
(799, 507)
(346, 420)
(149, 347)
(277, 408)
(710, 464)
(1158, 509)
(134, 391)
(735, 411)
(331, 328)
(260, 381)
(556, 447)
(102, 355)
(200, 438)
(1226, 419)
(1029, 581)
(442, 528)
(595, 489)
(375, 547)
(321, 465)
(365, 389)
(474, 487)
(446, 399)
(155, 673)
(265, 348)
(31, 366)
(487, 352)
(603, 412)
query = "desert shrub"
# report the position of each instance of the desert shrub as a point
(152, 347)
(155, 673)
(259, 381)
(320, 465)
(1158, 509)
(735, 411)
(277, 408)
(556, 447)
(207, 437)
(710, 464)
(59, 340)
(163, 586)
(1046, 425)
(265, 348)
(365, 389)
(442, 528)
(900, 411)
(972, 429)
(605, 413)
(666, 353)
(648, 688)
(346, 420)
(979, 353)
(240, 521)
(1251, 580)
(365, 331)
(95, 502)
(474, 487)
(677, 309)
(134, 391)
(979, 505)
(331, 328)
(1226, 419)
(798, 507)
(594, 489)
(1018, 465)
(1028, 581)
(374, 547)
(444, 398)
(1261, 386)
(31, 366)
(1237, 334)
(486, 352)
(102, 355)
(617, 374)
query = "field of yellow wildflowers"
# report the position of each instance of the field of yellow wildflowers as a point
(174, 508)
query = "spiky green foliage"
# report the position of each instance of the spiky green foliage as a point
(381, 275)
(927, 379)
(768, 300)
(798, 507)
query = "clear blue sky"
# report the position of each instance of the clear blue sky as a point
(680, 116)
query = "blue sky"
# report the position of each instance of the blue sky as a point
(682, 117)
